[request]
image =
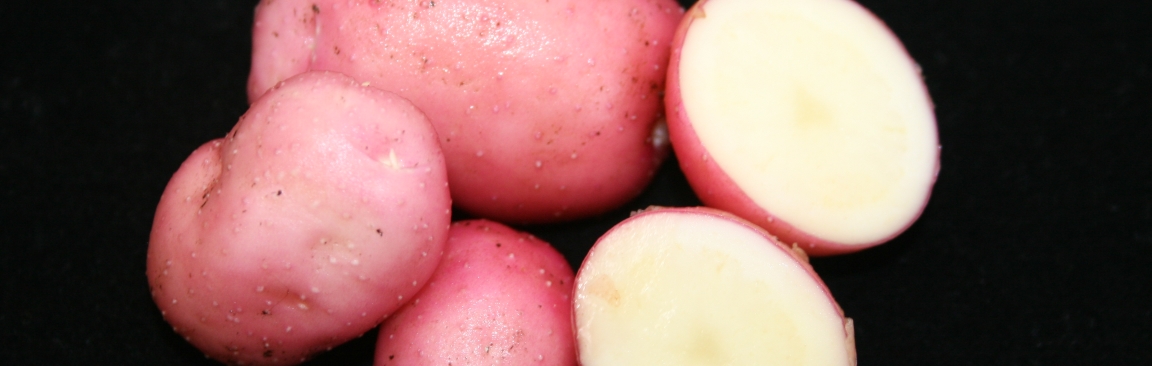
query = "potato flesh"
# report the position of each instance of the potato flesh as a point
(815, 110)
(698, 290)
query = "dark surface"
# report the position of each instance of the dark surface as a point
(1033, 250)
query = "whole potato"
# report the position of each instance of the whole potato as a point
(546, 110)
(323, 211)
(499, 297)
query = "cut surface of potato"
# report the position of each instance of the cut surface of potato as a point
(695, 286)
(814, 110)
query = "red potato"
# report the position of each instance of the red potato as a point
(498, 297)
(698, 286)
(805, 117)
(323, 211)
(546, 110)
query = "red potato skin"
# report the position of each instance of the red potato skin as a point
(795, 252)
(715, 188)
(304, 227)
(499, 297)
(545, 110)
(294, 32)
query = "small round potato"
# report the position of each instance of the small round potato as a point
(498, 297)
(304, 227)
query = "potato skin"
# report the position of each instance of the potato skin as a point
(545, 110)
(714, 187)
(499, 296)
(304, 227)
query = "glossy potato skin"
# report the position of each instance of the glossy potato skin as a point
(499, 297)
(304, 227)
(545, 109)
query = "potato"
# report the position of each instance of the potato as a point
(805, 117)
(498, 297)
(319, 214)
(697, 286)
(546, 110)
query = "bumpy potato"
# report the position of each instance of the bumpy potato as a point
(546, 110)
(323, 211)
(499, 297)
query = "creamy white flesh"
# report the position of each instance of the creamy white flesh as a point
(692, 289)
(816, 112)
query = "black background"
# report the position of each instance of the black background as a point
(1034, 249)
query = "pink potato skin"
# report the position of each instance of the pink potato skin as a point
(546, 110)
(499, 297)
(304, 227)
(714, 187)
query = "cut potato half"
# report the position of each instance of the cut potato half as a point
(697, 286)
(806, 117)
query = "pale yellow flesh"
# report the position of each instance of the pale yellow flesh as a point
(687, 289)
(814, 109)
